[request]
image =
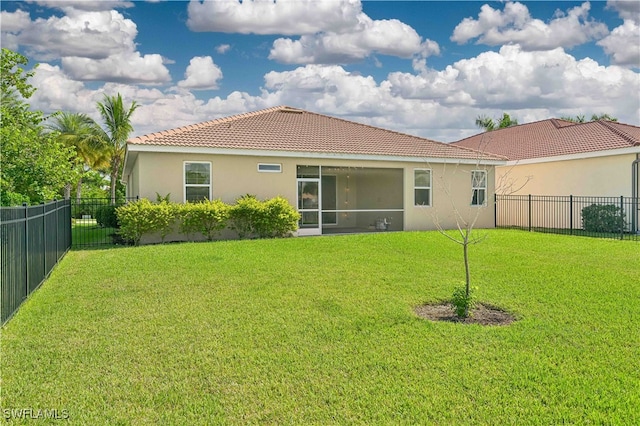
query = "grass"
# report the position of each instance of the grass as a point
(86, 232)
(322, 331)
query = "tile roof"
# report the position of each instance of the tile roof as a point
(553, 137)
(289, 129)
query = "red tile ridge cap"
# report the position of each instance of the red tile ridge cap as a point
(606, 123)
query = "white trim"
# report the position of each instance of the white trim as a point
(479, 188)
(279, 165)
(580, 156)
(184, 178)
(310, 155)
(430, 187)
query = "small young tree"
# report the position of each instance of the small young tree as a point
(464, 233)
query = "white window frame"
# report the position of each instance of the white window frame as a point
(429, 188)
(278, 165)
(184, 179)
(475, 187)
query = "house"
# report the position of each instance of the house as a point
(342, 176)
(558, 157)
(588, 163)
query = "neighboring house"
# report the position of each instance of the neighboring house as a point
(342, 176)
(558, 157)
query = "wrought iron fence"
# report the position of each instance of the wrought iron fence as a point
(604, 217)
(94, 222)
(34, 239)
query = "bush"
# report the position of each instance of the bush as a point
(208, 217)
(462, 304)
(603, 218)
(244, 215)
(106, 217)
(252, 218)
(278, 219)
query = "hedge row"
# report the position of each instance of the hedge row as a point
(249, 217)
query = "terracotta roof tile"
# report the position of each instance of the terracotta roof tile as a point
(293, 130)
(553, 137)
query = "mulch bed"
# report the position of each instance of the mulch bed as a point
(482, 314)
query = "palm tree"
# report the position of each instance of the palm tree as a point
(594, 117)
(489, 124)
(82, 133)
(117, 121)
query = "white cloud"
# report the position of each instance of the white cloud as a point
(515, 25)
(623, 44)
(92, 45)
(223, 48)
(97, 5)
(201, 74)
(287, 17)
(627, 9)
(127, 67)
(84, 34)
(389, 37)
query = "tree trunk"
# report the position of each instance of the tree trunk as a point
(79, 190)
(67, 191)
(465, 247)
(114, 178)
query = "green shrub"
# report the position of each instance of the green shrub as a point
(163, 215)
(135, 220)
(252, 218)
(106, 217)
(462, 303)
(244, 215)
(207, 217)
(278, 218)
(603, 218)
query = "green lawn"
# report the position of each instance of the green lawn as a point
(321, 330)
(86, 232)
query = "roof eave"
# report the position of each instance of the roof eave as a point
(132, 147)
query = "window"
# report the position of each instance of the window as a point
(422, 187)
(197, 181)
(269, 168)
(479, 187)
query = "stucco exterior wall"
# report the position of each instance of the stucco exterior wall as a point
(598, 176)
(234, 176)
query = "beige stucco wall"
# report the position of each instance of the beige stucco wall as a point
(234, 176)
(598, 176)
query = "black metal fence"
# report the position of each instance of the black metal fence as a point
(604, 217)
(33, 239)
(94, 222)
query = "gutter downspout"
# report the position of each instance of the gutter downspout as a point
(635, 193)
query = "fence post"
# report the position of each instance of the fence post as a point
(495, 210)
(570, 214)
(26, 247)
(529, 212)
(622, 217)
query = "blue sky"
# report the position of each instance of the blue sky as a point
(422, 67)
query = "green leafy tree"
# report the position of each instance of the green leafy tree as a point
(594, 117)
(81, 133)
(35, 166)
(489, 124)
(117, 121)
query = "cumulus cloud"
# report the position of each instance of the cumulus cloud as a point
(623, 44)
(92, 45)
(514, 24)
(201, 74)
(389, 37)
(627, 9)
(85, 34)
(287, 17)
(84, 5)
(127, 67)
